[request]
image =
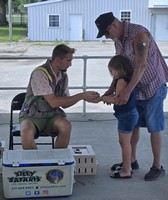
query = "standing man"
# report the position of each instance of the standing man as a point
(47, 91)
(149, 78)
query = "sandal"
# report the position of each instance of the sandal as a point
(118, 176)
(118, 166)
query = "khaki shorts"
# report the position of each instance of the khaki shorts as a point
(44, 126)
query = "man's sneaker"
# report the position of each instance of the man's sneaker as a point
(118, 166)
(154, 173)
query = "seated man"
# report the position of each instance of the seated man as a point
(47, 91)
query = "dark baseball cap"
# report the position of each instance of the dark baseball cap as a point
(102, 22)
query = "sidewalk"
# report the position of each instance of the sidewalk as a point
(99, 131)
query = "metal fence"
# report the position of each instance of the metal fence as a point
(84, 85)
(18, 19)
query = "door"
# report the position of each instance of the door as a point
(161, 29)
(75, 28)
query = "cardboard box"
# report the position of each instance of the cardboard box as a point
(37, 173)
(85, 159)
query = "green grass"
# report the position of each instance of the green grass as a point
(18, 33)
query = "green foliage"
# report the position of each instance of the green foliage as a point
(19, 4)
(17, 34)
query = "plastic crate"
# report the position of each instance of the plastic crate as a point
(85, 159)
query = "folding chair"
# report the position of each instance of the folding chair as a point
(16, 106)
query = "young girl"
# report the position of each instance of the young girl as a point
(126, 114)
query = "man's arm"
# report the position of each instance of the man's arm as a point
(41, 87)
(67, 101)
(141, 47)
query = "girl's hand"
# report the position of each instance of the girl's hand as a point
(107, 99)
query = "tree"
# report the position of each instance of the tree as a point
(3, 6)
(3, 20)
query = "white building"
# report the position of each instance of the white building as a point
(74, 20)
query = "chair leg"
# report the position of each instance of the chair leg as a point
(11, 142)
(53, 141)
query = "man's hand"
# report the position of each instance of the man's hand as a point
(91, 96)
(122, 97)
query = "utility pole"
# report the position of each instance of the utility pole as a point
(10, 19)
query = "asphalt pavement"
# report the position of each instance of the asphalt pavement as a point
(99, 131)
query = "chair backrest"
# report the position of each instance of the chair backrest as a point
(16, 105)
(17, 101)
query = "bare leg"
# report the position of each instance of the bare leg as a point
(63, 127)
(134, 142)
(28, 131)
(124, 140)
(156, 143)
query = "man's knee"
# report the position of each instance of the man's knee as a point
(28, 129)
(62, 125)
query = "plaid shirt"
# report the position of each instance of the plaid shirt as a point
(156, 73)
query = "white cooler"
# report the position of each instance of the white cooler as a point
(37, 173)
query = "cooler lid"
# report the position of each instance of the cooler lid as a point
(49, 157)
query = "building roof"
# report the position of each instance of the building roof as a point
(158, 4)
(152, 3)
(42, 3)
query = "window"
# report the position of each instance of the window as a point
(53, 20)
(126, 16)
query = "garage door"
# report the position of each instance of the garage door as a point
(161, 29)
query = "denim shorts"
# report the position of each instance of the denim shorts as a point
(127, 121)
(151, 114)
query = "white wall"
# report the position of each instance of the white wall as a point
(89, 9)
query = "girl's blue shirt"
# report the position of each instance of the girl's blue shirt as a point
(129, 105)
